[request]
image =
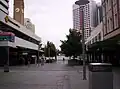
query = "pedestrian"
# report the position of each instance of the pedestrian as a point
(42, 61)
(38, 62)
(63, 59)
(28, 61)
(23, 61)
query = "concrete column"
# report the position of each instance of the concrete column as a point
(102, 57)
(99, 56)
(94, 57)
(37, 55)
(5, 55)
(35, 60)
(90, 57)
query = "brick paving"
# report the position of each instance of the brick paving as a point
(50, 76)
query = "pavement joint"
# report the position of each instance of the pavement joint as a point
(52, 76)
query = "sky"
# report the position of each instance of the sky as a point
(52, 18)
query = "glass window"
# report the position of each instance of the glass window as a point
(108, 29)
(99, 36)
(95, 38)
(111, 23)
(115, 21)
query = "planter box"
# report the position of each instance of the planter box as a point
(73, 62)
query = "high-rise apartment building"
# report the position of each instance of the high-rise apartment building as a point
(87, 21)
(88, 17)
(19, 11)
(76, 17)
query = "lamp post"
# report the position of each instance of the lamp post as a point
(81, 4)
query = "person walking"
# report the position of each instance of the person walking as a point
(63, 59)
(28, 61)
(42, 61)
(38, 62)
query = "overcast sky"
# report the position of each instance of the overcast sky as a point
(52, 18)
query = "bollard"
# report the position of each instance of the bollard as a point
(100, 76)
(6, 68)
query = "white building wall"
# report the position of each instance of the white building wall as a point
(21, 28)
(95, 33)
(28, 24)
(25, 44)
(19, 43)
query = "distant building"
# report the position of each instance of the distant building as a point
(88, 18)
(76, 17)
(28, 24)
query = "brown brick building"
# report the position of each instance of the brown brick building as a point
(108, 49)
(19, 11)
(111, 18)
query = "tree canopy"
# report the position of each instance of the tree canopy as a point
(50, 50)
(72, 46)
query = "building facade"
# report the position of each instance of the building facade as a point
(19, 11)
(76, 17)
(98, 15)
(111, 18)
(15, 39)
(96, 35)
(108, 48)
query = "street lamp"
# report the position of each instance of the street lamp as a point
(81, 4)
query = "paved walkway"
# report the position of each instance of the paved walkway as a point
(50, 76)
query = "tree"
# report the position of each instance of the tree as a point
(58, 51)
(72, 46)
(50, 50)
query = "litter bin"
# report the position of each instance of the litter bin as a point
(100, 76)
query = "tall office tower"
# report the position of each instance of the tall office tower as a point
(88, 18)
(19, 11)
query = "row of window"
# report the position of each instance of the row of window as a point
(111, 19)
(95, 39)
